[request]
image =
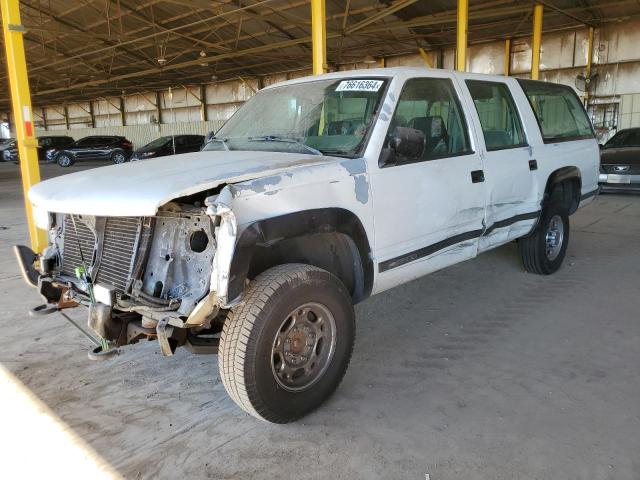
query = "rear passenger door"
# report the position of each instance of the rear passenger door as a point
(428, 212)
(511, 189)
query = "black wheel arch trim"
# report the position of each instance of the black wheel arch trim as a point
(291, 225)
(560, 175)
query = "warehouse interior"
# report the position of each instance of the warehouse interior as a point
(476, 371)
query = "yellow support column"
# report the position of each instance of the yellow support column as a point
(461, 38)
(537, 41)
(319, 36)
(589, 65)
(23, 117)
(425, 58)
(507, 57)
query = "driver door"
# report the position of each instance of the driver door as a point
(428, 211)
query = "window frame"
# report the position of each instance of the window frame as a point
(525, 142)
(464, 126)
(560, 86)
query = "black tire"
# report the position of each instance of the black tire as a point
(65, 159)
(253, 331)
(118, 157)
(534, 249)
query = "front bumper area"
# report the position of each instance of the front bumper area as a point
(610, 182)
(172, 289)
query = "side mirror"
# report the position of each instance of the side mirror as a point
(601, 146)
(407, 143)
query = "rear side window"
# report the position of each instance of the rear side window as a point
(559, 112)
(501, 125)
(431, 106)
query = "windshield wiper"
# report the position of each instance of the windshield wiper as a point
(223, 141)
(276, 138)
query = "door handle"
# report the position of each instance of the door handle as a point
(533, 165)
(477, 176)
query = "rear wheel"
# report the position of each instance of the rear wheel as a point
(543, 251)
(285, 349)
(118, 157)
(65, 160)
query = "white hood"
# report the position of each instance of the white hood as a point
(139, 188)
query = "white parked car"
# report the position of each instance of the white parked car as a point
(316, 194)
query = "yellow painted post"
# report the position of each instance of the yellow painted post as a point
(589, 65)
(507, 57)
(425, 58)
(22, 114)
(461, 38)
(538, 9)
(319, 36)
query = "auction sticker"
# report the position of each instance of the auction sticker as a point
(359, 86)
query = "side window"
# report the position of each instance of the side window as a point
(86, 142)
(560, 114)
(431, 106)
(501, 125)
(180, 141)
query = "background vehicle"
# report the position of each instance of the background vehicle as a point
(6, 144)
(98, 147)
(44, 143)
(316, 194)
(620, 162)
(169, 145)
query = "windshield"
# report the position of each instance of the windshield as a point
(331, 117)
(624, 138)
(158, 142)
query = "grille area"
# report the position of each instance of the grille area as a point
(118, 250)
(633, 169)
(76, 237)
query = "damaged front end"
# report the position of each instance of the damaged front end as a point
(162, 277)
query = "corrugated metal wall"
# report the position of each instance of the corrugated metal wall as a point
(563, 58)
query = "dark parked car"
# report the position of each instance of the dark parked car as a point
(169, 145)
(6, 144)
(96, 147)
(44, 143)
(620, 162)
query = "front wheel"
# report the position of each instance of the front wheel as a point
(543, 251)
(285, 349)
(65, 160)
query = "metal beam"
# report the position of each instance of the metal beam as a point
(92, 114)
(425, 58)
(507, 57)
(203, 103)
(589, 65)
(538, 10)
(319, 36)
(380, 15)
(461, 35)
(22, 114)
(123, 114)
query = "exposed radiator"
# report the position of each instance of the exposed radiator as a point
(77, 236)
(119, 244)
(118, 251)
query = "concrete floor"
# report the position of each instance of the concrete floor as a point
(480, 371)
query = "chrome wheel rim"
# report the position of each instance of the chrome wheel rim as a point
(118, 158)
(554, 237)
(303, 347)
(65, 161)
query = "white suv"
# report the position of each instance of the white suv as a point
(316, 194)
